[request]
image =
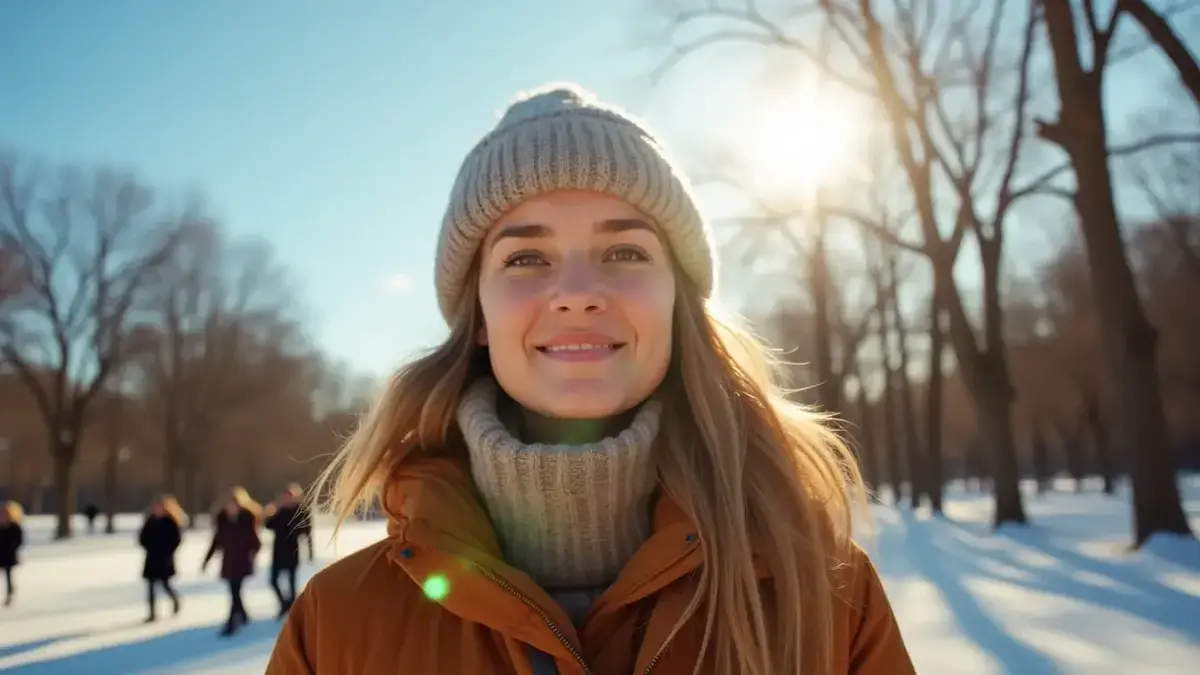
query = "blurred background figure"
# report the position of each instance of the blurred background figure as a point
(289, 521)
(90, 512)
(235, 535)
(11, 538)
(160, 536)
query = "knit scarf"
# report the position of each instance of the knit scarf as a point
(569, 516)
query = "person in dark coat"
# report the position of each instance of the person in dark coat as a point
(289, 521)
(11, 539)
(90, 512)
(236, 537)
(160, 536)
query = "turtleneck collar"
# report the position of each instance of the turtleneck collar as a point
(569, 516)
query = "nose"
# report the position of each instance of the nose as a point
(579, 289)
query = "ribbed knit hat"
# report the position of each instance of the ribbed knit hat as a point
(560, 137)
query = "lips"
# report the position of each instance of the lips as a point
(578, 343)
(580, 347)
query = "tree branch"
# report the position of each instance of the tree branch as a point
(1160, 32)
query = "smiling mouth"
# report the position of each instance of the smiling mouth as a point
(581, 347)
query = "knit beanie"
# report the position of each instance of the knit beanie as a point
(560, 137)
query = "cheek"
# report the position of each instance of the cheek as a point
(508, 312)
(650, 307)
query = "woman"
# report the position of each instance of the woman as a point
(593, 474)
(236, 537)
(160, 537)
(11, 539)
(289, 522)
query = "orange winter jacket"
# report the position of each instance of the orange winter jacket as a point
(436, 598)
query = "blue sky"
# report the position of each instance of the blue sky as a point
(331, 129)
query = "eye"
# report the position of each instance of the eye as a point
(627, 254)
(523, 259)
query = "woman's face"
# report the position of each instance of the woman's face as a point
(157, 509)
(578, 296)
(231, 507)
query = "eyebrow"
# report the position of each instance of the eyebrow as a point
(536, 231)
(616, 225)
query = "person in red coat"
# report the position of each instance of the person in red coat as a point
(236, 537)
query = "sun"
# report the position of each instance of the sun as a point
(790, 142)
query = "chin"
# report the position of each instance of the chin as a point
(587, 401)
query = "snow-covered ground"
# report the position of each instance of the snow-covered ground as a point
(1061, 597)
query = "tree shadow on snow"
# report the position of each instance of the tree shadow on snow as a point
(158, 653)
(30, 645)
(933, 563)
(1124, 587)
(132, 593)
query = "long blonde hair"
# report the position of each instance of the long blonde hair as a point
(239, 494)
(754, 471)
(174, 511)
(14, 512)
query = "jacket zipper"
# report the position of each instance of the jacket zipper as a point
(654, 661)
(496, 579)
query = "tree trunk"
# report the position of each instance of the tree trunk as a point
(191, 485)
(114, 428)
(985, 372)
(866, 440)
(891, 440)
(110, 487)
(1130, 342)
(64, 486)
(170, 466)
(1072, 446)
(933, 418)
(828, 382)
(995, 421)
(908, 415)
(1099, 433)
(1041, 457)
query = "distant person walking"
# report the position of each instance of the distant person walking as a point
(236, 537)
(160, 536)
(11, 539)
(90, 512)
(289, 521)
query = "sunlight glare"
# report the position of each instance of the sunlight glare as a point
(789, 143)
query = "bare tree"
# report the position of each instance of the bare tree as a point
(863, 433)
(830, 328)
(1130, 341)
(222, 330)
(10, 276)
(913, 453)
(893, 443)
(87, 244)
(1170, 181)
(934, 406)
(1158, 28)
(1054, 348)
(1168, 282)
(944, 98)
(110, 422)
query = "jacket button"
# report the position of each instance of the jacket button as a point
(406, 553)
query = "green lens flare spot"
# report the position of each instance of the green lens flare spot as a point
(436, 587)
